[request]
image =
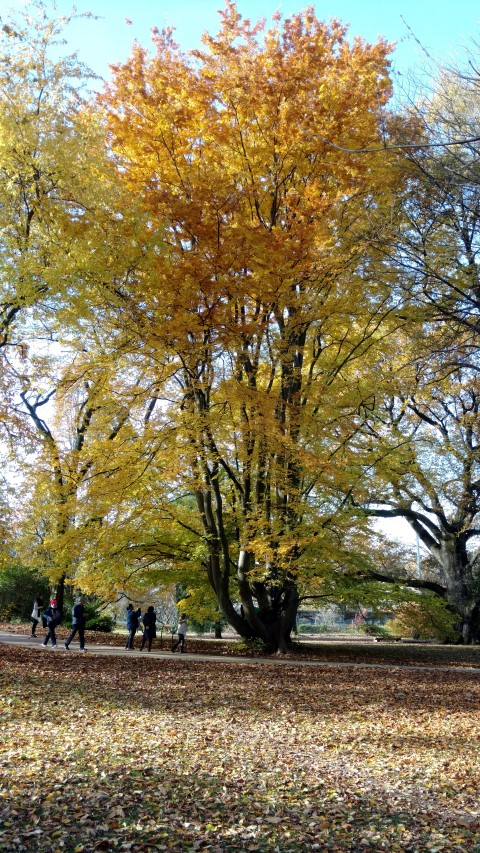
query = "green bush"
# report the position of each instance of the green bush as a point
(102, 623)
(95, 619)
(375, 631)
(19, 587)
(318, 629)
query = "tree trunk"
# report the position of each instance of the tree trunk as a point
(279, 634)
(457, 583)
(469, 623)
(452, 555)
(272, 622)
(274, 617)
(268, 608)
(60, 594)
(280, 618)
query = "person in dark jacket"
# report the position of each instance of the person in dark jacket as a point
(53, 618)
(149, 629)
(78, 624)
(133, 617)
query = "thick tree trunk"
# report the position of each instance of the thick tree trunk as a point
(268, 608)
(468, 625)
(280, 618)
(274, 630)
(60, 594)
(456, 584)
(459, 592)
(279, 634)
(270, 618)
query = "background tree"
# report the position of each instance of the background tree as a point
(45, 153)
(438, 249)
(19, 587)
(62, 242)
(423, 450)
(67, 425)
(420, 440)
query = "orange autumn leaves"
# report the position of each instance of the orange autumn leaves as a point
(254, 286)
(228, 148)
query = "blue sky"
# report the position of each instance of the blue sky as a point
(441, 27)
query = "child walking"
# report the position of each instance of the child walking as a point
(181, 631)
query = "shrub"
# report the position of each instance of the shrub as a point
(19, 586)
(372, 630)
(95, 619)
(102, 623)
(428, 619)
(255, 646)
(322, 629)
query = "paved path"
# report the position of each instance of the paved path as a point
(26, 641)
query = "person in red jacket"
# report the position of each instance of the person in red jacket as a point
(53, 618)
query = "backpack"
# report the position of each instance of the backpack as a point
(53, 618)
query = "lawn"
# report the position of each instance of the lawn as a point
(144, 754)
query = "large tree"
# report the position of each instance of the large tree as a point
(62, 430)
(261, 306)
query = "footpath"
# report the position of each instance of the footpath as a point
(26, 641)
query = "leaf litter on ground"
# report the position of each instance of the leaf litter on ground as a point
(107, 753)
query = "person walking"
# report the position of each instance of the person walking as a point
(78, 624)
(53, 618)
(149, 628)
(36, 614)
(181, 631)
(133, 617)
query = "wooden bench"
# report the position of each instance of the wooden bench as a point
(392, 639)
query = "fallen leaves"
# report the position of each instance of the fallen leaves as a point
(122, 753)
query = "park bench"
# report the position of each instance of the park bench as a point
(391, 639)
